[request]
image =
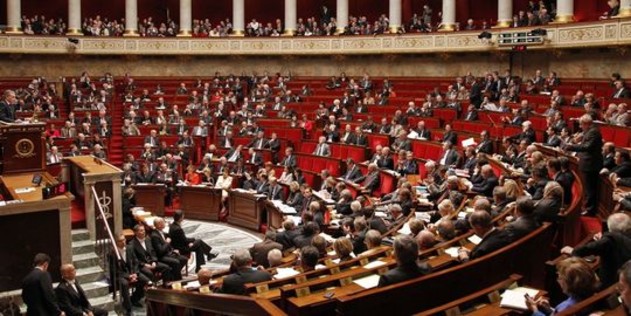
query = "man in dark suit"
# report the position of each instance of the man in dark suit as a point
(152, 138)
(385, 160)
(235, 283)
(613, 248)
(371, 181)
(450, 135)
(37, 289)
(450, 156)
(71, 297)
(127, 274)
(352, 171)
(590, 161)
(406, 254)
(255, 158)
(166, 254)
(290, 159)
(185, 245)
(288, 234)
(259, 250)
(524, 222)
(274, 145)
(148, 262)
(472, 113)
(7, 110)
(233, 154)
(489, 182)
(360, 138)
(621, 91)
(258, 142)
(262, 185)
(322, 148)
(275, 190)
(492, 238)
(485, 145)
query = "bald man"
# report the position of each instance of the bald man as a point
(161, 243)
(71, 297)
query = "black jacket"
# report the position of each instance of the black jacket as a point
(491, 242)
(235, 283)
(614, 249)
(521, 227)
(403, 273)
(37, 293)
(589, 150)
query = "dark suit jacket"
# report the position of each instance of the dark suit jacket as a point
(403, 273)
(566, 180)
(179, 240)
(276, 192)
(258, 159)
(486, 186)
(624, 94)
(144, 256)
(73, 303)
(352, 174)
(259, 251)
(160, 246)
(614, 249)
(452, 158)
(471, 116)
(521, 227)
(7, 112)
(372, 181)
(289, 161)
(623, 170)
(286, 238)
(37, 293)
(589, 151)
(491, 242)
(486, 146)
(361, 140)
(451, 137)
(386, 163)
(235, 283)
(547, 209)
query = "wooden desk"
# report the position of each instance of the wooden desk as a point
(151, 197)
(19, 181)
(246, 209)
(274, 216)
(200, 202)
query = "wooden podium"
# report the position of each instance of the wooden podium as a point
(246, 209)
(84, 172)
(200, 202)
(22, 147)
(150, 197)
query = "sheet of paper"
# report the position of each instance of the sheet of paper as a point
(368, 282)
(405, 230)
(282, 273)
(192, 285)
(452, 251)
(374, 264)
(474, 239)
(525, 290)
(513, 299)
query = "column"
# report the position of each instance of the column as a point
(625, 8)
(565, 11)
(238, 17)
(14, 16)
(504, 13)
(395, 15)
(131, 18)
(186, 18)
(74, 18)
(290, 17)
(342, 15)
(448, 24)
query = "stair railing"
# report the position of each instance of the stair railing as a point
(106, 248)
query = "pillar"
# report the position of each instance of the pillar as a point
(186, 18)
(131, 18)
(504, 13)
(395, 15)
(341, 15)
(565, 11)
(238, 17)
(625, 8)
(74, 18)
(449, 16)
(14, 16)
(290, 17)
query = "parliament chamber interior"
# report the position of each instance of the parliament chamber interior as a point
(332, 157)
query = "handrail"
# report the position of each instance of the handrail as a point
(107, 225)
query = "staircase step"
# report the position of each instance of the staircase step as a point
(105, 302)
(85, 260)
(90, 274)
(80, 234)
(96, 289)
(83, 246)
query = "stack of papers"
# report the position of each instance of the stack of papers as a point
(405, 230)
(374, 264)
(368, 282)
(282, 273)
(452, 251)
(516, 299)
(474, 239)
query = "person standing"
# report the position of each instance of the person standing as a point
(37, 289)
(590, 162)
(7, 110)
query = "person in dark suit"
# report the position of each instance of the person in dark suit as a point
(352, 171)
(524, 222)
(612, 247)
(406, 254)
(360, 138)
(371, 181)
(275, 191)
(472, 113)
(37, 289)
(488, 183)
(450, 135)
(450, 156)
(492, 238)
(486, 144)
(288, 234)
(590, 161)
(161, 243)
(547, 209)
(255, 158)
(148, 262)
(609, 155)
(7, 110)
(385, 160)
(309, 230)
(621, 91)
(235, 283)
(127, 274)
(274, 145)
(322, 148)
(565, 179)
(186, 245)
(623, 164)
(290, 159)
(71, 297)
(259, 250)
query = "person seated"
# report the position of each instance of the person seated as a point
(275, 258)
(406, 255)
(343, 249)
(192, 177)
(127, 274)
(372, 240)
(547, 209)
(488, 183)
(245, 273)
(204, 276)
(612, 247)
(71, 297)
(524, 220)
(309, 230)
(161, 243)
(576, 279)
(260, 250)
(309, 257)
(185, 246)
(492, 238)
(320, 243)
(150, 267)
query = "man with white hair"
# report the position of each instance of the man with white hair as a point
(590, 161)
(235, 283)
(613, 247)
(489, 182)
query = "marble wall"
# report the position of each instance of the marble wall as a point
(569, 63)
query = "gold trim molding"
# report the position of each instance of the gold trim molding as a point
(615, 32)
